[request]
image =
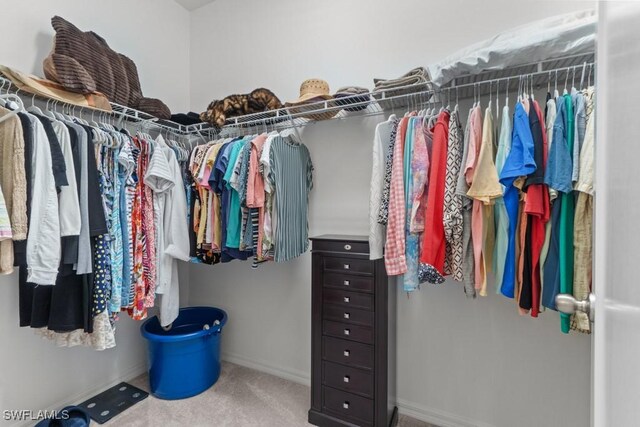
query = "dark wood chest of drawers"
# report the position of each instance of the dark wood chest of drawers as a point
(351, 375)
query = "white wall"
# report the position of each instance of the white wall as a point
(460, 362)
(34, 374)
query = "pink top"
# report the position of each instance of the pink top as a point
(394, 257)
(419, 171)
(255, 182)
(475, 141)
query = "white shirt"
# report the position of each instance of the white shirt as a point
(43, 239)
(166, 179)
(68, 203)
(377, 231)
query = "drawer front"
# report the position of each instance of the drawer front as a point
(348, 298)
(344, 378)
(347, 352)
(348, 265)
(348, 247)
(348, 282)
(348, 331)
(348, 406)
(347, 314)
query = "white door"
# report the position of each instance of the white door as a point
(615, 373)
(616, 338)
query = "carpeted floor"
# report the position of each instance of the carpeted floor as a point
(242, 397)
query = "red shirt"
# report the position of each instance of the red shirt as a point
(538, 207)
(433, 245)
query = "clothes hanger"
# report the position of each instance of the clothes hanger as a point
(519, 96)
(474, 96)
(56, 113)
(490, 96)
(533, 95)
(456, 107)
(33, 108)
(566, 80)
(11, 104)
(17, 100)
(584, 69)
(497, 99)
(506, 98)
(78, 116)
(47, 112)
(2, 100)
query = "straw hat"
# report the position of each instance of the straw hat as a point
(312, 90)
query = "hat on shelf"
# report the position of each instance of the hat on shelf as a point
(349, 95)
(312, 90)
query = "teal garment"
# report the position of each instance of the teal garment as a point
(408, 154)
(234, 215)
(500, 210)
(566, 224)
(291, 175)
(409, 280)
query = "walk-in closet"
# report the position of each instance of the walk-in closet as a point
(336, 213)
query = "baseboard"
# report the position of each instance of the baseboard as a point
(128, 375)
(436, 416)
(264, 366)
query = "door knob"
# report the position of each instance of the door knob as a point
(567, 304)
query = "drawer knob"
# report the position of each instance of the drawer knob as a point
(347, 315)
(345, 405)
(346, 299)
(347, 282)
(346, 353)
(347, 266)
(346, 378)
(347, 247)
(347, 331)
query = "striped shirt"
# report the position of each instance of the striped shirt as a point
(291, 174)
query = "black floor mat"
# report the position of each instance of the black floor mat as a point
(113, 401)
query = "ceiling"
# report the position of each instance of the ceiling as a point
(193, 4)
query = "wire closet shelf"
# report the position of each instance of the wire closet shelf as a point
(562, 70)
(119, 113)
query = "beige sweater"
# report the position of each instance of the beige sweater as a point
(13, 182)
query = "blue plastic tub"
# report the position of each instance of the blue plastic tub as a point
(185, 360)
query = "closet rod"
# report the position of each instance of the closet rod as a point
(121, 112)
(295, 117)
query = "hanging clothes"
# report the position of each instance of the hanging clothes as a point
(433, 244)
(583, 232)
(500, 210)
(462, 187)
(394, 258)
(381, 146)
(13, 181)
(453, 202)
(291, 175)
(485, 187)
(520, 162)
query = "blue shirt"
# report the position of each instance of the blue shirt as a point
(519, 162)
(559, 163)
